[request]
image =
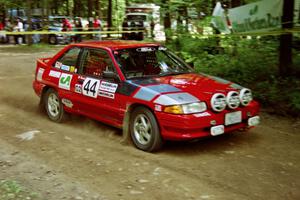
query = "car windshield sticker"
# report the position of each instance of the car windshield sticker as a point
(78, 88)
(108, 87)
(145, 49)
(106, 94)
(65, 67)
(58, 65)
(162, 48)
(54, 74)
(65, 81)
(90, 87)
(40, 73)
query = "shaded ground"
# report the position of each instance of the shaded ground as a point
(84, 159)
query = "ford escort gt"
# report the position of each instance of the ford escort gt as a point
(143, 88)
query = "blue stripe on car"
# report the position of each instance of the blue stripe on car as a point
(176, 99)
(147, 93)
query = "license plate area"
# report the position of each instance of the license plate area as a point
(233, 118)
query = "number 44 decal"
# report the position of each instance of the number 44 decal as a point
(90, 87)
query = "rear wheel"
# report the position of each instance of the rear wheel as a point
(52, 39)
(53, 106)
(144, 130)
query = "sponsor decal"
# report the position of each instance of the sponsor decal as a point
(65, 81)
(162, 48)
(54, 74)
(205, 114)
(73, 69)
(40, 73)
(145, 49)
(67, 103)
(106, 94)
(90, 87)
(58, 65)
(65, 67)
(158, 108)
(78, 88)
(108, 87)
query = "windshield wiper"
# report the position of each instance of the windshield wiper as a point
(172, 73)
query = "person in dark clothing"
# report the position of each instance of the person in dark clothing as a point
(78, 27)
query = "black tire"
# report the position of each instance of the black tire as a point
(52, 39)
(53, 106)
(144, 130)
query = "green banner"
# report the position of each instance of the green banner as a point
(259, 16)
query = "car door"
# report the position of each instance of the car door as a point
(99, 99)
(63, 73)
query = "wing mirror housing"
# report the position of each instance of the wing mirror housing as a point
(110, 75)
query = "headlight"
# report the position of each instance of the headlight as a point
(233, 100)
(245, 96)
(186, 108)
(218, 102)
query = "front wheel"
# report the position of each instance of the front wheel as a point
(54, 106)
(144, 130)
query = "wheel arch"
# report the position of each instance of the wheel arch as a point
(126, 120)
(44, 91)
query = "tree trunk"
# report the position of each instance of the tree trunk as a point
(235, 3)
(167, 17)
(67, 8)
(285, 57)
(90, 8)
(109, 15)
(97, 8)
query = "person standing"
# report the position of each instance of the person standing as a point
(97, 27)
(18, 27)
(2, 35)
(66, 26)
(78, 26)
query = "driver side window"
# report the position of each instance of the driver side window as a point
(95, 62)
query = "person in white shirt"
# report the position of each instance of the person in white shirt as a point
(19, 27)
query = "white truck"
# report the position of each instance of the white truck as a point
(142, 17)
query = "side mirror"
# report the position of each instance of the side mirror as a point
(110, 75)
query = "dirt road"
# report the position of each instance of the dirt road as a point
(84, 159)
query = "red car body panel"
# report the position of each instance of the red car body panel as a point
(112, 110)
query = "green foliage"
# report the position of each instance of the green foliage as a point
(14, 191)
(251, 62)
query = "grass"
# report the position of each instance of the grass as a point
(12, 190)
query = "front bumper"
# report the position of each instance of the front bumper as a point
(193, 126)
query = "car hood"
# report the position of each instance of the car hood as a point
(187, 87)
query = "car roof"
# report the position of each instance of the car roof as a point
(117, 44)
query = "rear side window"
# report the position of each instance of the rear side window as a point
(95, 62)
(68, 61)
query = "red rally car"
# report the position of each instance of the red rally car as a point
(143, 88)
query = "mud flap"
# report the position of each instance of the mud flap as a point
(126, 135)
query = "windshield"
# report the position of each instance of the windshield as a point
(136, 17)
(149, 61)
